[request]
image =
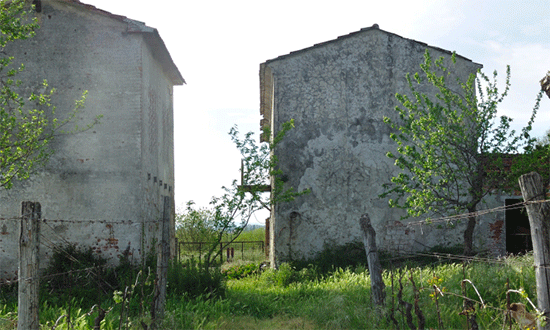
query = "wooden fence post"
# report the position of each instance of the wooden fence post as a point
(375, 269)
(539, 219)
(29, 231)
(221, 252)
(162, 267)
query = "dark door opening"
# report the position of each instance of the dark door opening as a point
(518, 231)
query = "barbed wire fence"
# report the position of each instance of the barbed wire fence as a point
(26, 234)
(48, 242)
(432, 283)
(538, 209)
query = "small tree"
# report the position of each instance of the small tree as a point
(451, 148)
(535, 158)
(195, 225)
(232, 211)
(27, 122)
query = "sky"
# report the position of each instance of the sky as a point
(218, 46)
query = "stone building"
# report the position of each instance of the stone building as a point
(104, 187)
(338, 92)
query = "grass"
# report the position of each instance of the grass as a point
(307, 298)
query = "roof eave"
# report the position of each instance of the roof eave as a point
(152, 37)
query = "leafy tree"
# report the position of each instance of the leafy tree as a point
(195, 225)
(27, 121)
(232, 211)
(535, 158)
(451, 148)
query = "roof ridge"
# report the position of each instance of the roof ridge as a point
(362, 30)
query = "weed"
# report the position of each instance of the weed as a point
(308, 298)
(241, 271)
(74, 273)
(192, 279)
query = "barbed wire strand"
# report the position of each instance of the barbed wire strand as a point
(461, 216)
(426, 221)
(468, 259)
(55, 247)
(519, 205)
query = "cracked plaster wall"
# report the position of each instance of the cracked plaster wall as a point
(338, 93)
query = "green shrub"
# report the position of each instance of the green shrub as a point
(73, 272)
(81, 274)
(241, 271)
(350, 255)
(8, 292)
(283, 276)
(193, 280)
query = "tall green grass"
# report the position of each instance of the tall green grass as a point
(309, 298)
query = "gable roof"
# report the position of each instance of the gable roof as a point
(374, 27)
(150, 35)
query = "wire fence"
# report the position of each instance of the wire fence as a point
(228, 251)
(474, 292)
(108, 239)
(84, 255)
(462, 216)
(56, 234)
(51, 238)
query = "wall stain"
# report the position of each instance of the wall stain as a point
(496, 230)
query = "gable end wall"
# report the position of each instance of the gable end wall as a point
(338, 93)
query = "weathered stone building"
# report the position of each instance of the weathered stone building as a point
(338, 92)
(104, 187)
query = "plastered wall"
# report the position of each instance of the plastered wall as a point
(103, 187)
(337, 93)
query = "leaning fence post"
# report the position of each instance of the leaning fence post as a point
(29, 266)
(539, 217)
(375, 269)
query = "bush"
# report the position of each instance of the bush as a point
(193, 280)
(284, 275)
(350, 255)
(8, 293)
(81, 274)
(241, 271)
(72, 272)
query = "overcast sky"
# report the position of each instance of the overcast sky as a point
(218, 47)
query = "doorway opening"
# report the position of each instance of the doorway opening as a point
(518, 231)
